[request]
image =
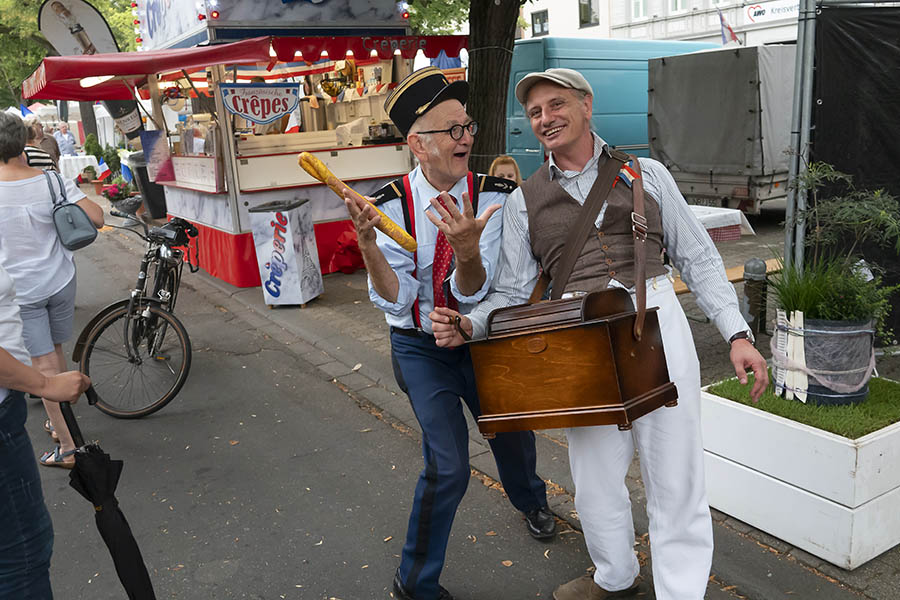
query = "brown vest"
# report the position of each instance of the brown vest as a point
(608, 253)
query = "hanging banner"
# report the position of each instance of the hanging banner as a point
(156, 155)
(260, 103)
(75, 27)
(773, 11)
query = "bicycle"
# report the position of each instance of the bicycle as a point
(136, 352)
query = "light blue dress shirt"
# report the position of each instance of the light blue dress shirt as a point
(686, 241)
(66, 143)
(399, 313)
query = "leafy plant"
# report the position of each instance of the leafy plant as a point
(92, 146)
(842, 223)
(89, 173)
(835, 283)
(833, 290)
(111, 158)
(116, 192)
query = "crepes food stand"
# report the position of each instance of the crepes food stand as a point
(300, 77)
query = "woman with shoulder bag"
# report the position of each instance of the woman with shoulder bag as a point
(42, 269)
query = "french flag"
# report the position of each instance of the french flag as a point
(728, 34)
(293, 125)
(104, 171)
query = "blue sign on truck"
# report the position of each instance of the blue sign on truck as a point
(617, 72)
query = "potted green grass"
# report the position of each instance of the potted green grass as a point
(834, 307)
(824, 474)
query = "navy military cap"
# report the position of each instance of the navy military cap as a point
(418, 93)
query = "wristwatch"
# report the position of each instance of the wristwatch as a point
(741, 335)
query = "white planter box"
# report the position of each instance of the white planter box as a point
(834, 497)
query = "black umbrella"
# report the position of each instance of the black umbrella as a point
(95, 477)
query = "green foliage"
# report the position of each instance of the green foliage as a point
(880, 409)
(116, 191)
(842, 223)
(111, 157)
(92, 146)
(22, 46)
(89, 173)
(433, 17)
(834, 290)
(833, 283)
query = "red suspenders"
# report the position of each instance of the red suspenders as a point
(409, 215)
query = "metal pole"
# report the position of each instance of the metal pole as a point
(795, 139)
(809, 50)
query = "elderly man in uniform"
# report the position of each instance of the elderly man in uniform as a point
(558, 104)
(430, 113)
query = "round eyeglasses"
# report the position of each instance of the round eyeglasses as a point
(456, 132)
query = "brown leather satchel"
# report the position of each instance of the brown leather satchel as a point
(589, 360)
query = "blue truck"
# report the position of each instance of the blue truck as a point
(617, 72)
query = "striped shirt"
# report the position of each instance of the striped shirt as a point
(37, 158)
(685, 239)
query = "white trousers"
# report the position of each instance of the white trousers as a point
(671, 458)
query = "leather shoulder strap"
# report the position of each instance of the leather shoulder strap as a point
(639, 231)
(606, 176)
(54, 197)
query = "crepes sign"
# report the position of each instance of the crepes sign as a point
(260, 103)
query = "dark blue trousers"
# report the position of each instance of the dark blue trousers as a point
(435, 379)
(26, 533)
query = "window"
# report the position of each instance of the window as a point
(676, 5)
(540, 23)
(638, 9)
(588, 13)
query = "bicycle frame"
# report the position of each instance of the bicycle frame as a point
(166, 267)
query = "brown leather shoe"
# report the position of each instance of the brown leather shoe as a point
(584, 588)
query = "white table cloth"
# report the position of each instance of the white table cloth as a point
(712, 217)
(72, 166)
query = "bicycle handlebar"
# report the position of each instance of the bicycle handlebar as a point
(177, 232)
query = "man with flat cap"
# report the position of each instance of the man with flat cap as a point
(455, 217)
(536, 221)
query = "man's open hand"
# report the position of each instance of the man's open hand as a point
(744, 356)
(462, 229)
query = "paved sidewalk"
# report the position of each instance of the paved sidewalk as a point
(346, 337)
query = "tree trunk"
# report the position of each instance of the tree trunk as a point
(492, 30)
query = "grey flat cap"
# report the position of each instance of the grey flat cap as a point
(566, 78)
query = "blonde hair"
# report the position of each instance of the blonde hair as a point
(503, 159)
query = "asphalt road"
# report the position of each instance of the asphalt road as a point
(263, 479)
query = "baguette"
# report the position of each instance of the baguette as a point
(317, 169)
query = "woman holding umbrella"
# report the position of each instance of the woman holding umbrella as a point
(43, 271)
(26, 536)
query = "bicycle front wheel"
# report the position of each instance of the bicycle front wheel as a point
(137, 381)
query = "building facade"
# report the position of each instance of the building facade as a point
(753, 23)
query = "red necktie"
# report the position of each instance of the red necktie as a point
(443, 258)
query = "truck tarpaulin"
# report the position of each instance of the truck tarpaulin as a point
(722, 112)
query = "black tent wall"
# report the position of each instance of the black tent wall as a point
(856, 107)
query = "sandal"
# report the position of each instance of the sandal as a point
(55, 459)
(48, 427)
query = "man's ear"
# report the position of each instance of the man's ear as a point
(588, 104)
(416, 145)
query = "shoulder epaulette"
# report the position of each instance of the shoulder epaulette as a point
(489, 183)
(390, 191)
